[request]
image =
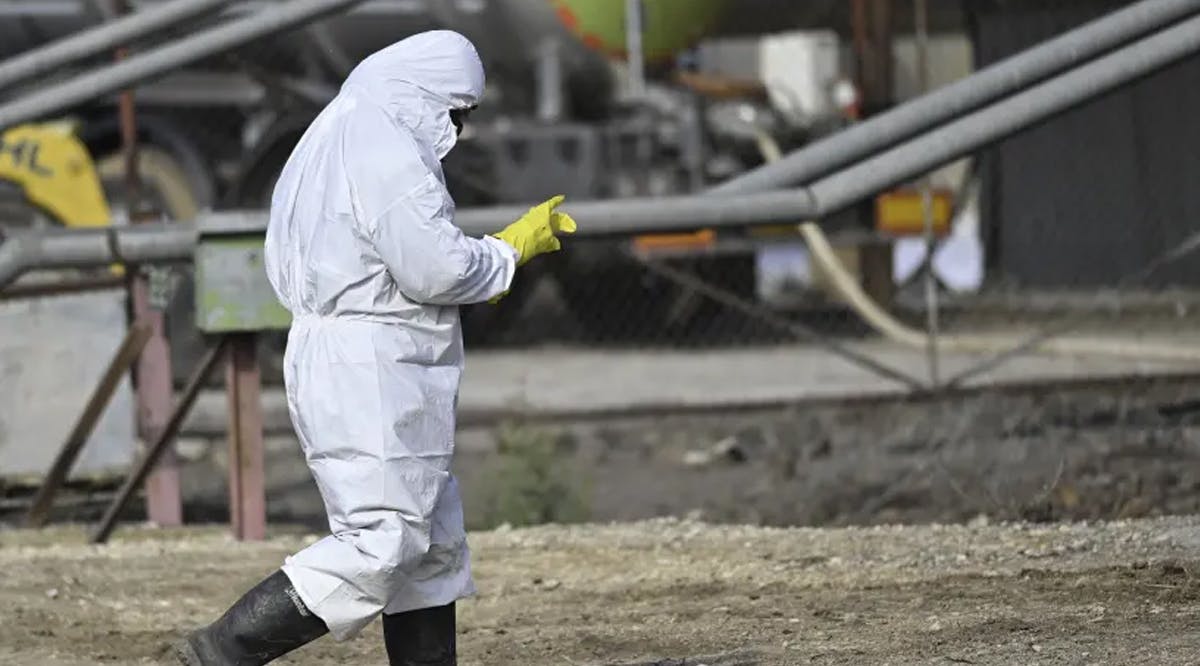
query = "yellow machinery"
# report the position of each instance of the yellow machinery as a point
(55, 172)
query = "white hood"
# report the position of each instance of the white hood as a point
(419, 79)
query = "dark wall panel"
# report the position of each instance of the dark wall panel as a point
(1098, 192)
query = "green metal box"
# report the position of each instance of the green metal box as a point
(232, 291)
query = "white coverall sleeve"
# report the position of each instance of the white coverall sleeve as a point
(431, 260)
(405, 214)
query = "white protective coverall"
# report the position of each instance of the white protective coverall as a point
(362, 250)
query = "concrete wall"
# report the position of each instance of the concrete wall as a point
(52, 353)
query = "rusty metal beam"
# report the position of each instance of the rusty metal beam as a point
(142, 468)
(44, 288)
(126, 354)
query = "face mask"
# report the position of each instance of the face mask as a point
(442, 134)
(459, 118)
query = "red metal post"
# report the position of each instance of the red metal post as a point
(164, 505)
(247, 488)
(153, 379)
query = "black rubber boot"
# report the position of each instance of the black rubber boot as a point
(423, 637)
(267, 622)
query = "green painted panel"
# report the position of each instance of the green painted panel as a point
(232, 291)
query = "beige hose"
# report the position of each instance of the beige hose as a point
(848, 289)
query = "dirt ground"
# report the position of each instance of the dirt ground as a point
(666, 592)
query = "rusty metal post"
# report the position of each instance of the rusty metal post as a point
(164, 504)
(921, 25)
(126, 354)
(247, 488)
(872, 31)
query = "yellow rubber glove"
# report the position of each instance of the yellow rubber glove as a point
(537, 233)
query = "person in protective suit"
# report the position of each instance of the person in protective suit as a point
(362, 250)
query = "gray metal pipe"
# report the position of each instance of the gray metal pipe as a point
(635, 58)
(612, 217)
(147, 66)
(1006, 117)
(159, 243)
(155, 243)
(659, 214)
(88, 248)
(930, 110)
(104, 37)
(16, 257)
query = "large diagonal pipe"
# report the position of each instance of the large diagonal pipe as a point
(105, 37)
(155, 63)
(1006, 117)
(1020, 71)
(625, 216)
